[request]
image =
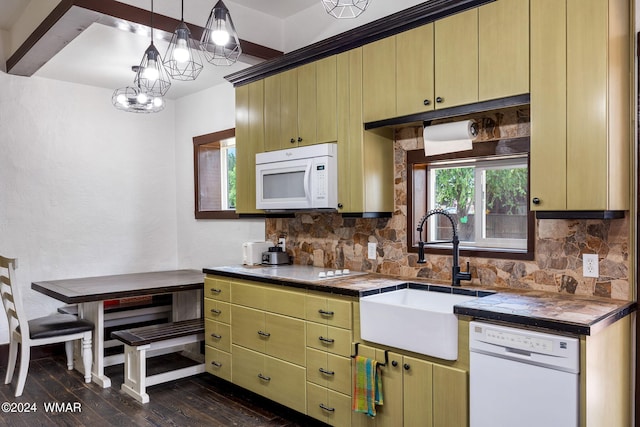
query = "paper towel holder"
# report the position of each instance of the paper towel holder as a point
(473, 128)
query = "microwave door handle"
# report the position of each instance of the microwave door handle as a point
(307, 183)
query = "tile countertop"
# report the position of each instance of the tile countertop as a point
(573, 314)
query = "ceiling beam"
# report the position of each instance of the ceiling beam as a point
(71, 17)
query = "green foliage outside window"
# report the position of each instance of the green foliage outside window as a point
(231, 177)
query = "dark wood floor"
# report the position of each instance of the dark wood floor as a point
(201, 400)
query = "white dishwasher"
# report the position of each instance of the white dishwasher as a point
(522, 378)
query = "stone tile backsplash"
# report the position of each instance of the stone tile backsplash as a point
(329, 240)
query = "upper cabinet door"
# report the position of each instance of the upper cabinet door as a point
(307, 112)
(414, 70)
(326, 97)
(379, 80)
(548, 168)
(456, 60)
(273, 140)
(503, 41)
(289, 108)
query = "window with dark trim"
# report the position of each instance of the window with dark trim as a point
(214, 175)
(489, 225)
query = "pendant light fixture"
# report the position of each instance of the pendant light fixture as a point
(220, 43)
(152, 78)
(182, 59)
(341, 9)
(135, 100)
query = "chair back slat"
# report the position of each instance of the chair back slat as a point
(11, 300)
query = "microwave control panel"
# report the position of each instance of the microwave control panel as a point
(320, 191)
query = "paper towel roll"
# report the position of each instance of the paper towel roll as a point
(448, 137)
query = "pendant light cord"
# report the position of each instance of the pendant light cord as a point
(151, 21)
(182, 12)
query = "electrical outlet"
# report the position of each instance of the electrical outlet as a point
(282, 242)
(371, 253)
(590, 265)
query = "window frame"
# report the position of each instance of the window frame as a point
(416, 159)
(199, 141)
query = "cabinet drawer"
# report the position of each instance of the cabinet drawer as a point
(328, 311)
(217, 310)
(217, 335)
(287, 338)
(328, 338)
(328, 406)
(217, 289)
(275, 379)
(286, 302)
(279, 336)
(218, 362)
(329, 370)
(248, 328)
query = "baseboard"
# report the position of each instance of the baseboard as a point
(39, 352)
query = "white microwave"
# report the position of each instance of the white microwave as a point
(298, 178)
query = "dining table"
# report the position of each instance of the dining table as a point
(90, 293)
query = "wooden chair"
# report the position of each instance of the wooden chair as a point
(41, 331)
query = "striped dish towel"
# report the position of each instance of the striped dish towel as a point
(367, 386)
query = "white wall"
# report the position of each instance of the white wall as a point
(85, 189)
(314, 24)
(206, 242)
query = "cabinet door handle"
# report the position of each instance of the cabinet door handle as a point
(262, 377)
(293, 141)
(406, 366)
(439, 100)
(216, 364)
(394, 363)
(264, 334)
(340, 205)
(326, 408)
(327, 340)
(324, 371)
(216, 336)
(299, 139)
(536, 201)
(216, 311)
(216, 291)
(325, 313)
(426, 102)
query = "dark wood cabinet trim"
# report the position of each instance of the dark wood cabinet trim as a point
(54, 32)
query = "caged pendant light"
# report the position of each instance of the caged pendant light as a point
(182, 59)
(152, 78)
(345, 8)
(135, 100)
(220, 43)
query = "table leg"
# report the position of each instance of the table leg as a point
(94, 311)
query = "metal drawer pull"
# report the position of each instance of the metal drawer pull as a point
(262, 377)
(324, 371)
(326, 408)
(327, 340)
(216, 336)
(216, 364)
(264, 334)
(325, 313)
(216, 291)
(216, 311)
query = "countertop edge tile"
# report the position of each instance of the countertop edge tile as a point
(573, 314)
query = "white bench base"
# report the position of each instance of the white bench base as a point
(135, 365)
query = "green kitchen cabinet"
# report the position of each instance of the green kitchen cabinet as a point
(249, 141)
(580, 105)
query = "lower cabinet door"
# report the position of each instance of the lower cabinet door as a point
(217, 362)
(450, 397)
(328, 406)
